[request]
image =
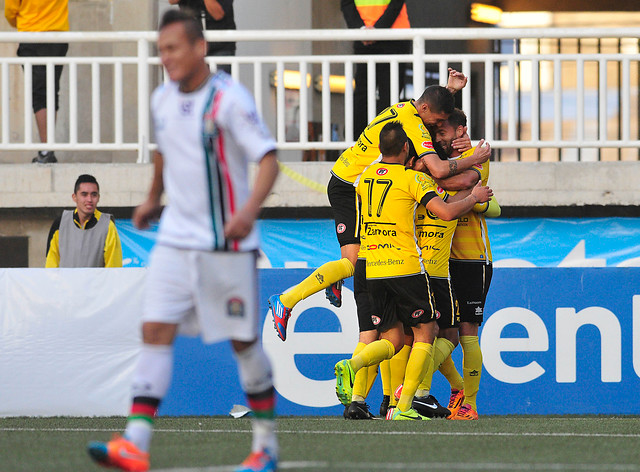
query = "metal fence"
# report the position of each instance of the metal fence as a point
(538, 94)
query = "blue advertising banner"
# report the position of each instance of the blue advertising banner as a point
(554, 341)
(515, 242)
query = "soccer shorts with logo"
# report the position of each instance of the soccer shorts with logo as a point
(407, 299)
(471, 280)
(213, 294)
(366, 316)
(344, 204)
(448, 315)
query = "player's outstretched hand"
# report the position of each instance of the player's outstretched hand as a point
(482, 152)
(456, 81)
(145, 213)
(482, 193)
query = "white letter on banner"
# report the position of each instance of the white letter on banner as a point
(567, 324)
(287, 379)
(493, 344)
(635, 333)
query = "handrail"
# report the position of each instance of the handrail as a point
(525, 100)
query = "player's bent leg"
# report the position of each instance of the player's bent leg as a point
(319, 279)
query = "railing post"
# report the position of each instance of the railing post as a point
(418, 66)
(143, 101)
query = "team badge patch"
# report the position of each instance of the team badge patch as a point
(382, 171)
(235, 307)
(375, 320)
(427, 145)
(417, 314)
(437, 315)
(400, 105)
(341, 228)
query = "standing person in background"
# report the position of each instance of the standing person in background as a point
(203, 266)
(84, 237)
(370, 14)
(215, 15)
(39, 16)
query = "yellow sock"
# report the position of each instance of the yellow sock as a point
(373, 353)
(372, 373)
(385, 377)
(416, 368)
(425, 386)
(360, 381)
(471, 368)
(398, 366)
(442, 348)
(448, 369)
(320, 278)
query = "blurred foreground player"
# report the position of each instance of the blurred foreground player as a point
(204, 263)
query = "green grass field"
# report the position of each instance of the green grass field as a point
(208, 444)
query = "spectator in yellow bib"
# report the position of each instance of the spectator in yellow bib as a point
(84, 237)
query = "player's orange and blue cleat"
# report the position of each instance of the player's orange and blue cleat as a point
(262, 461)
(334, 293)
(281, 315)
(119, 453)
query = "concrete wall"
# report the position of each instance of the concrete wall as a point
(32, 196)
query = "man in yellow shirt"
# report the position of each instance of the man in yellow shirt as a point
(40, 16)
(84, 237)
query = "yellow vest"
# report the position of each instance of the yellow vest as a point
(371, 10)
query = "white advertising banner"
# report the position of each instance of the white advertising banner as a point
(70, 338)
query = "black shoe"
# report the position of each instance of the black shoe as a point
(345, 413)
(428, 406)
(45, 158)
(359, 411)
(384, 406)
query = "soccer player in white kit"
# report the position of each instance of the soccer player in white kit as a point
(203, 267)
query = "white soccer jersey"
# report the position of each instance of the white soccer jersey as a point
(207, 139)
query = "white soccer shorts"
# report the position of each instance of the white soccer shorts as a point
(213, 294)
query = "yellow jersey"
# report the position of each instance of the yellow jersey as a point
(434, 238)
(365, 151)
(389, 196)
(471, 240)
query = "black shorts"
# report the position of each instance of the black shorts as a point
(471, 280)
(406, 299)
(39, 72)
(344, 203)
(361, 294)
(448, 314)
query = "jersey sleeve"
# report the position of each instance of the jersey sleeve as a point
(421, 139)
(421, 186)
(239, 116)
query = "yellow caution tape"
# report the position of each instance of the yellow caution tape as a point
(307, 182)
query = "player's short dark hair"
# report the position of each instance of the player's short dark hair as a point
(440, 100)
(192, 27)
(85, 179)
(457, 118)
(392, 139)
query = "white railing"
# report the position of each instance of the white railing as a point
(529, 100)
